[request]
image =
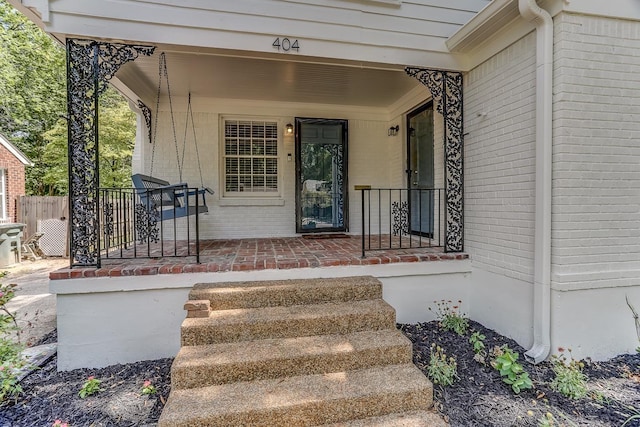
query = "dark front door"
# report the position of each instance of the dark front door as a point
(420, 169)
(321, 175)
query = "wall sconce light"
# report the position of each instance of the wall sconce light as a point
(288, 129)
(393, 130)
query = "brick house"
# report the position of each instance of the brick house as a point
(537, 181)
(12, 179)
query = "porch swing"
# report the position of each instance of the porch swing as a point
(171, 201)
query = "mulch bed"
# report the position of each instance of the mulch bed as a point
(477, 398)
(480, 398)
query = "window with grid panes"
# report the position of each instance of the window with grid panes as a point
(250, 156)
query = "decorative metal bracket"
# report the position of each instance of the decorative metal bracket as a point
(146, 113)
(90, 66)
(446, 90)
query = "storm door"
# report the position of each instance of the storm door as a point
(420, 170)
(321, 175)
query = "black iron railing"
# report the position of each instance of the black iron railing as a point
(151, 223)
(400, 218)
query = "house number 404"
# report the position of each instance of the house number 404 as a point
(286, 45)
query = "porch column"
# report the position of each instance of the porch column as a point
(90, 65)
(446, 90)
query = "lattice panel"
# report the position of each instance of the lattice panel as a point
(54, 241)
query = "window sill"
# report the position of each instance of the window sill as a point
(251, 202)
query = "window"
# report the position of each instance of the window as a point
(3, 194)
(250, 156)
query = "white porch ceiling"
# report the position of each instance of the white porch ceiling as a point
(278, 79)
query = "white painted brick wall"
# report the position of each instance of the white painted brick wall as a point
(596, 156)
(369, 151)
(499, 161)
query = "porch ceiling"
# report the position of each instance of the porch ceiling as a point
(281, 78)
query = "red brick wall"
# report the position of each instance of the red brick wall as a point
(14, 178)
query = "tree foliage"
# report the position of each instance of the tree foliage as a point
(32, 87)
(33, 107)
(116, 133)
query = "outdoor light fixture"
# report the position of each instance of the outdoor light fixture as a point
(393, 130)
(288, 130)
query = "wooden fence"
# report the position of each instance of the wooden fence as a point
(34, 208)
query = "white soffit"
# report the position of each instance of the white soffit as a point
(265, 79)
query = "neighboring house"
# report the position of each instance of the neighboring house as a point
(542, 128)
(12, 178)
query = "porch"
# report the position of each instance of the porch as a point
(236, 255)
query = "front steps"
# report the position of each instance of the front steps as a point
(296, 353)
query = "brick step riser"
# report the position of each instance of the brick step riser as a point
(289, 328)
(315, 413)
(206, 375)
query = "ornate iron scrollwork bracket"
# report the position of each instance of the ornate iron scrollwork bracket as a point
(90, 66)
(146, 113)
(446, 90)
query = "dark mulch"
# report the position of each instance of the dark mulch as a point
(50, 395)
(478, 397)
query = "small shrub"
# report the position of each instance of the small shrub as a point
(442, 369)
(477, 342)
(148, 388)
(547, 420)
(450, 317)
(90, 386)
(511, 371)
(10, 360)
(569, 379)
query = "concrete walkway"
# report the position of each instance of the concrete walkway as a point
(34, 305)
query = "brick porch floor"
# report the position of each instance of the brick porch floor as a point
(261, 254)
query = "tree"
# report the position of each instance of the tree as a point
(116, 135)
(33, 107)
(32, 87)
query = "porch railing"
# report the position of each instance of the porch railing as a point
(137, 223)
(400, 218)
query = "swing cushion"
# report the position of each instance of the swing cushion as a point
(171, 198)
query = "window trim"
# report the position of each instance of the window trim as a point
(236, 195)
(3, 190)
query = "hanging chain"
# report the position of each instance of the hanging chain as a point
(186, 127)
(195, 142)
(155, 122)
(163, 72)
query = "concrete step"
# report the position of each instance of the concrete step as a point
(402, 419)
(306, 400)
(205, 365)
(227, 296)
(288, 322)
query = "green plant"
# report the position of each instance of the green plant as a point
(547, 420)
(90, 386)
(450, 317)
(632, 417)
(511, 371)
(442, 369)
(58, 423)
(148, 388)
(10, 360)
(636, 319)
(569, 379)
(477, 341)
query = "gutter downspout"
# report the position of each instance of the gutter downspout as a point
(530, 11)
